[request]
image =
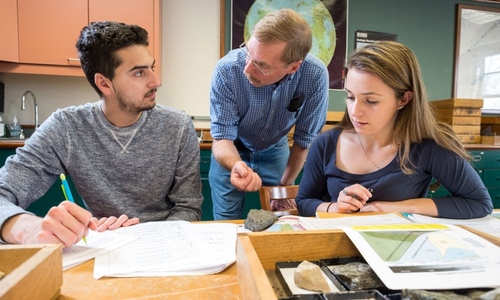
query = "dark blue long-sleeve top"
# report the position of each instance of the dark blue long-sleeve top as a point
(323, 181)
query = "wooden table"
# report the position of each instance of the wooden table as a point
(79, 283)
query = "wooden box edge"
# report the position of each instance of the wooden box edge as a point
(30, 279)
(259, 251)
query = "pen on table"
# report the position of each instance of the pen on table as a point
(407, 216)
(67, 194)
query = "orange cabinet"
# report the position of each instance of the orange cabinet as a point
(9, 48)
(47, 31)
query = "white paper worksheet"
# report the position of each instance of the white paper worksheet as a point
(171, 248)
(98, 243)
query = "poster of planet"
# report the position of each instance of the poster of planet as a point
(328, 21)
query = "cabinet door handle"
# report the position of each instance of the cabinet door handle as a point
(476, 158)
(72, 61)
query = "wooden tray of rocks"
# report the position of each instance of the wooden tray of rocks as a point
(258, 252)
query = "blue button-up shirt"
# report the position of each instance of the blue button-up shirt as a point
(258, 116)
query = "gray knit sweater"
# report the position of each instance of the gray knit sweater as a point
(149, 170)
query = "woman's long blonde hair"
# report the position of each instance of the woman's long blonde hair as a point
(398, 67)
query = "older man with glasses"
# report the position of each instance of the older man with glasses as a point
(258, 93)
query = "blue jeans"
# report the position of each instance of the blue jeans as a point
(227, 201)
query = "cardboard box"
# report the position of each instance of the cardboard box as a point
(32, 271)
(257, 254)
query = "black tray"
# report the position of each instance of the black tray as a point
(391, 294)
(365, 294)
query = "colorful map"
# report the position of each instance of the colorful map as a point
(420, 251)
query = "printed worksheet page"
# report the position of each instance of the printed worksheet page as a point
(98, 243)
(170, 248)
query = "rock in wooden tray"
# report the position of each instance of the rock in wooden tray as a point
(357, 275)
(310, 277)
(259, 219)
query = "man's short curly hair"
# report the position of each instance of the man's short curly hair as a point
(98, 43)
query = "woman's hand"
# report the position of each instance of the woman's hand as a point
(112, 222)
(353, 198)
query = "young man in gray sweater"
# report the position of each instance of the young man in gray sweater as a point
(131, 160)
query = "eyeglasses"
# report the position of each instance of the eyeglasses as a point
(265, 70)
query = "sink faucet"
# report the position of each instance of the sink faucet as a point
(23, 105)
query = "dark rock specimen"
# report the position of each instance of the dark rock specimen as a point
(258, 219)
(357, 276)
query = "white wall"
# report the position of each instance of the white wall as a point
(190, 51)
